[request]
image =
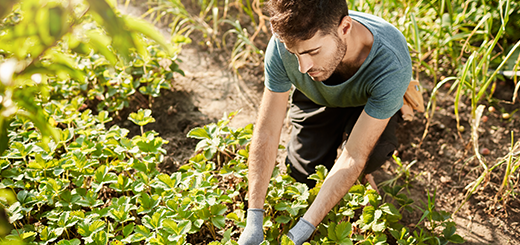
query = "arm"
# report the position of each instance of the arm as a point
(348, 167)
(264, 145)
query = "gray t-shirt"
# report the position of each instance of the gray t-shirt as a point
(379, 84)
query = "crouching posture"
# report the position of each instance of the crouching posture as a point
(350, 71)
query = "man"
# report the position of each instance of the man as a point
(350, 71)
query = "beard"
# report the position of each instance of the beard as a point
(330, 67)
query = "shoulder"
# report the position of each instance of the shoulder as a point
(275, 67)
(387, 38)
(277, 55)
(276, 49)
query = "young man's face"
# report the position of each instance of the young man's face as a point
(319, 56)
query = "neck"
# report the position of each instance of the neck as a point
(359, 41)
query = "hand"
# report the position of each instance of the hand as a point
(301, 232)
(253, 234)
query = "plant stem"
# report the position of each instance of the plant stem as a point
(212, 230)
(508, 168)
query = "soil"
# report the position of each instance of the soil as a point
(442, 161)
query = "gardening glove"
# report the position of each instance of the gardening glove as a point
(301, 232)
(253, 233)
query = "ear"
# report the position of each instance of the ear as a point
(345, 26)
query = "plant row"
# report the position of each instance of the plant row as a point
(97, 186)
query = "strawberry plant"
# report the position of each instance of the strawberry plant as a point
(97, 186)
(51, 51)
(361, 217)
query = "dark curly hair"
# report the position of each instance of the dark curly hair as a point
(301, 19)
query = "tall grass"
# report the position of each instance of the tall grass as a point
(466, 42)
(227, 25)
(474, 80)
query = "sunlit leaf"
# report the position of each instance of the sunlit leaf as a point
(142, 117)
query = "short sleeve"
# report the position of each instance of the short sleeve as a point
(386, 98)
(276, 78)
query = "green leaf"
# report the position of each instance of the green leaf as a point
(114, 25)
(122, 213)
(393, 191)
(103, 117)
(62, 63)
(373, 197)
(298, 190)
(128, 229)
(66, 135)
(456, 239)
(167, 180)
(152, 146)
(103, 176)
(24, 197)
(74, 241)
(172, 227)
(101, 44)
(343, 231)
(320, 174)
(123, 183)
(47, 235)
(357, 189)
(204, 214)
(449, 230)
(295, 208)
(219, 221)
(147, 202)
(89, 198)
(154, 222)
(331, 231)
(286, 240)
(65, 221)
(89, 227)
(148, 30)
(199, 133)
(28, 236)
(4, 164)
(218, 209)
(283, 219)
(393, 213)
(368, 214)
(210, 152)
(4, 137)
(282, 206)
(56, 24)
(140, 229)
(142, 117)
(100, 238)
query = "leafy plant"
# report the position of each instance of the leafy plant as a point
(130, 201)
(220, 141)
(39, 45)
(77, 179)
(436, 220)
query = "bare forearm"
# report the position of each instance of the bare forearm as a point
(348, 167)
(339, 181)
(264, 146)
(262, 159)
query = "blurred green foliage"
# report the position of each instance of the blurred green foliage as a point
(73, 43)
